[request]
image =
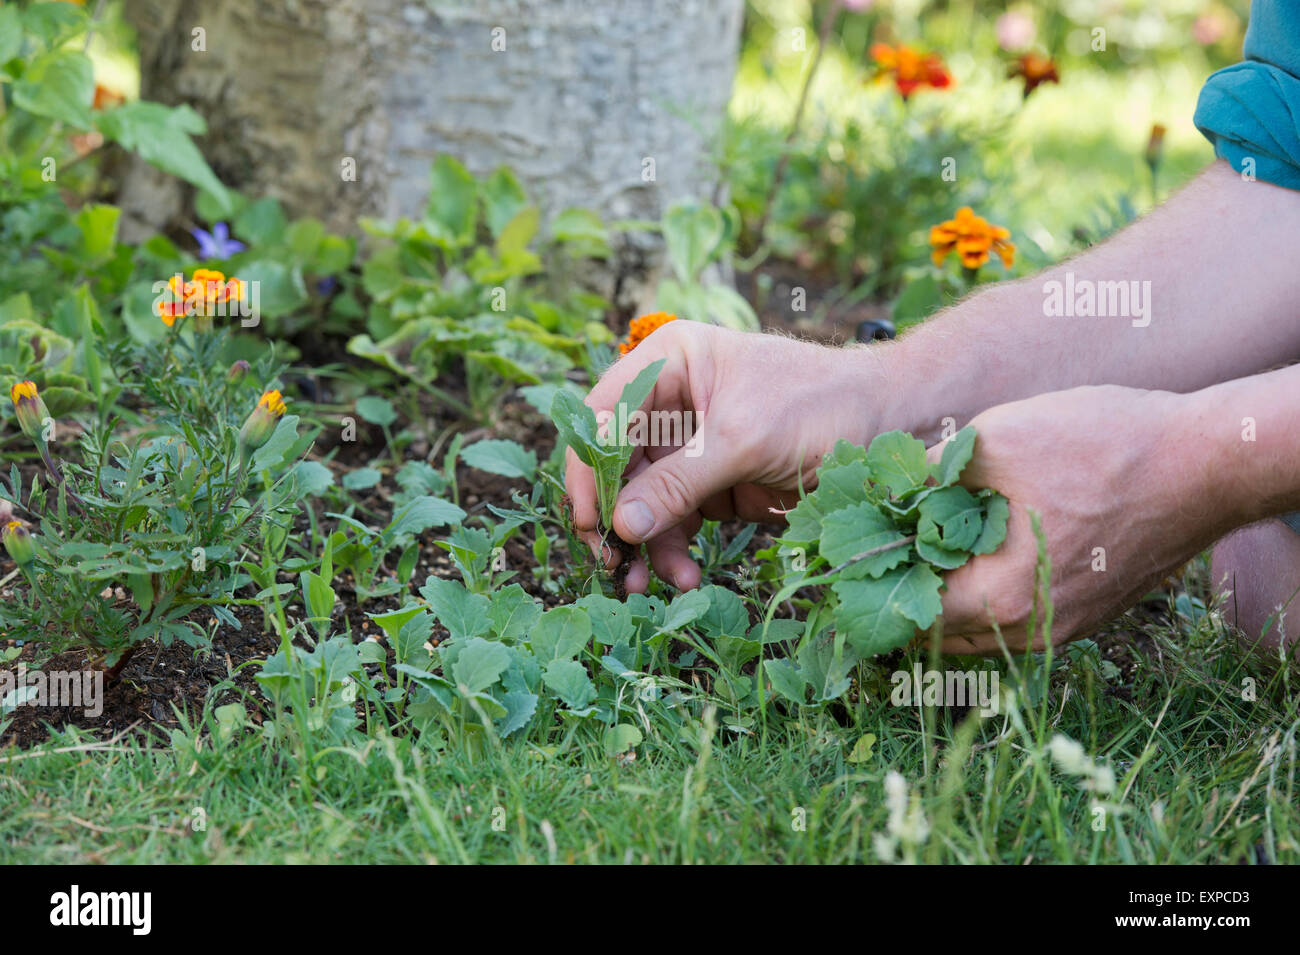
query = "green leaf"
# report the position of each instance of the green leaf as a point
(464, 614)
(507, 458)
(897, 460)
(480, 664)
(376, 410)
(452, 212)
(856, 530)
(618, 739)
(787, 680)
(994, 531)
(560, 634)
(59, 85)
(513, 613)
(862, 748)
(877, 616)
(950, 520)
(956, 455)
(421, 513)
(262, 222)
(503, 198)
(279, 290)
(685, 609)
(516, 235)
(520, 708)
(725, 615)
(361, 479)
(692, 232)
(271, 455)
(569, 681)
(11, 33)
(160, 135)
(312, 477)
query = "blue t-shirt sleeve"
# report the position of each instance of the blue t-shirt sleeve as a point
(1250, 112)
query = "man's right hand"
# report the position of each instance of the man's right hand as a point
(765, 410)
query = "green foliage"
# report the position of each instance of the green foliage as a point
(606, 451)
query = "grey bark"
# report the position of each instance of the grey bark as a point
(583, 97)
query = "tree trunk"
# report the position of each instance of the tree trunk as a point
(605, 104)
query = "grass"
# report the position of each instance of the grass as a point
(1204, 776)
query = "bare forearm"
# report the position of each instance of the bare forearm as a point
(1210, 293)
(1244, 436)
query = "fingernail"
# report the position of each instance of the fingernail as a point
(637, 518)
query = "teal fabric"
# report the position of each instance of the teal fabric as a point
(1252, 110)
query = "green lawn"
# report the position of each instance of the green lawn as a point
(1203, 775)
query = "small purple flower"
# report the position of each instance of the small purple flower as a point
(326, 285)
(217, 244)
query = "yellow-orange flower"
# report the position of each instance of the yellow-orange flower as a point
(30, 409)
(973, 238)
(910, 68)
(199, 295)
(641, 328)
(261, 423)
(1034, 69)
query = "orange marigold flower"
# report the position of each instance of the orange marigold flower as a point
(973, 238)
(910, 68)
(261, 423)
(1034, 69)
(206, 287)
(105, 97)
(641, 328)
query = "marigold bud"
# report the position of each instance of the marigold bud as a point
(261, 423)
(237, 371)
(31, 410)
(18, 541)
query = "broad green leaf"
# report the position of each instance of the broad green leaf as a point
(618, 739)
(507, 458)
(361, 479)
(271, 455)
(519, 707)
(452, 209)
(725, 614)
(160, 135)
(856, 530)
(312, 477)
(262, 222)
(59, 84)
(877, 616)
(513, 613)
(994, 531)
(464, 614)
(421, 513)
(950, 519)
(376, 410)
(560, 634)
(897, 460)
(685, 609)
(956, 455)
(568, 680)
(503, 198)
(692, 231)
(787, 680)
(480, 663)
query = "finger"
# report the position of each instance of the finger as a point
(580, 485)
(670, 555)
(638, 576)
(719, 507)
(662, 494)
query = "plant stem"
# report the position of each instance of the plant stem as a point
(832, 14)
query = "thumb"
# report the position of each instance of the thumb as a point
(664, 492)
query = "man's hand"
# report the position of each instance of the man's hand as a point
(1124, 493)
(764, 408)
